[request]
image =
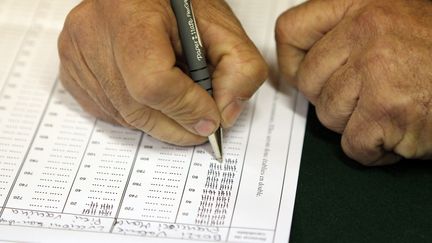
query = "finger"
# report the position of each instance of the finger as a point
(239, 68)
(144, 118)
(239, 72)
(289, 59)
(363, 141)
(408, 119)
(81, 96)
(299, 28)
(322, 60)
(156, 124)
(401, 116)
(146, 60)
(130, 113)
(388, 158)
(338, 98)
(75, 50)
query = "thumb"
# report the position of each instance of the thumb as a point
(239, 68)
(299, 28)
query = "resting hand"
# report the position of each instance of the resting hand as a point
(366, 65)
(121, 60)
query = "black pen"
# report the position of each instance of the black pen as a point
(194, 53)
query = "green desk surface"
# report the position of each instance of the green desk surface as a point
(340, 201)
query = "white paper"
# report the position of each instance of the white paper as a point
(67, 177)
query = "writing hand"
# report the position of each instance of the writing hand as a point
(122, 61)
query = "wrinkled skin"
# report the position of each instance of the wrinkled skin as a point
(366, 65)
(121, 59)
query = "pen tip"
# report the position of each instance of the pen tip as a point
(216, 144)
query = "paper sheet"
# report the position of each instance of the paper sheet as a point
(67, 177)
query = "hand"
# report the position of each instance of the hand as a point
(366, 65)
(121, 60)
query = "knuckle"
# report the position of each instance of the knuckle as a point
(312, 60)
(77, 17)
(65, 48)
(396, 109)
(307, 88)
(400, 112)
(285, 24)
(353, 148)
(288, 67)
(251, 66)
(374, 19)
(348, 143)
(256, 71)
(280, 30)
(74, 28)
(330, 117)
(259, 70)
(379, 58)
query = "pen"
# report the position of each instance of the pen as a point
(195, 58)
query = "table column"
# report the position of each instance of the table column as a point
(184, 193)
(157, 182)
(54, 157)
(211, 190)
(104, 173)
(23, 98)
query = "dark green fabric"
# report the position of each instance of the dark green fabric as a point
(339, 201)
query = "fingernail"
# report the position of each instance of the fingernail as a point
(232, 112)
(205, 127)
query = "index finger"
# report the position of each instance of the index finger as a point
(239, 67)
(299, 28)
